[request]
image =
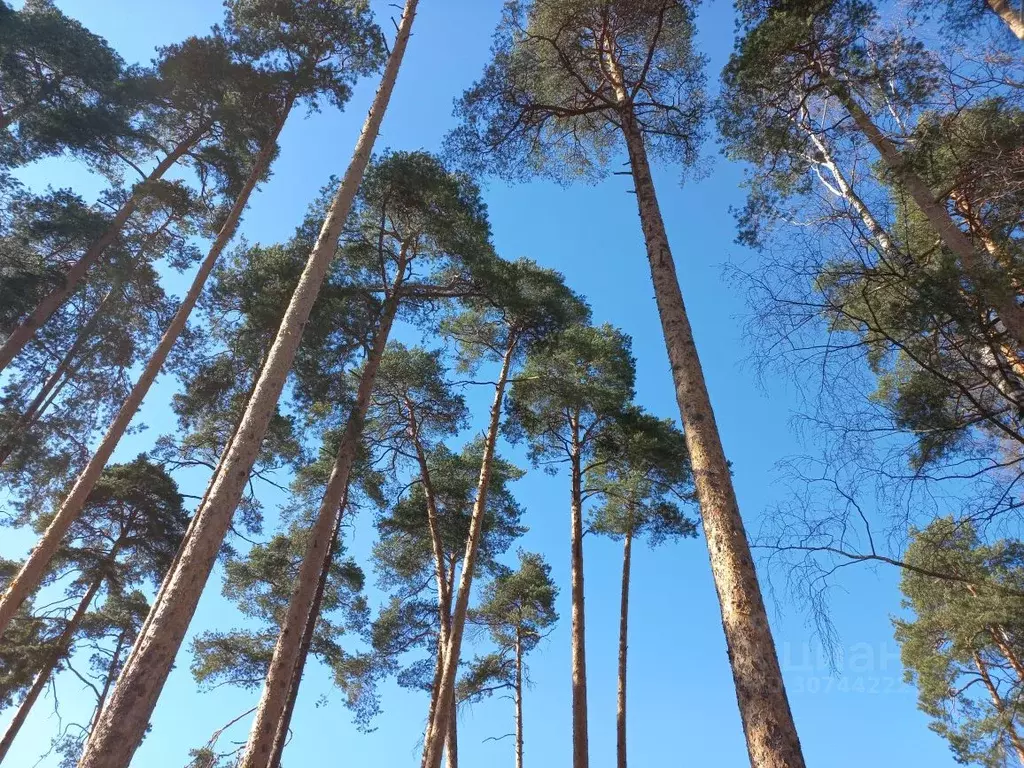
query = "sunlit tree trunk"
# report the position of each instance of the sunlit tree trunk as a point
(580, 745)
(1000, 706)
(771, 736)
(1010, 17)
(451, 741)
(620, 720)
(28, 578)
(125, 718)
(317, 555)
(50, 303)
(519, 698)
(284, 724)
(439, 726)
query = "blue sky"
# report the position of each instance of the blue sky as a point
(682, 706)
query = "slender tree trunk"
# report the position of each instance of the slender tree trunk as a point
(108, 682)
(772, 740)
(60, 375)
(620, 720)
(281, 734)
(852, 199)
(439, 725)
(50, 303)
(995, 295)
(32, 571)
(580, 739)
(444, 596)
(1000, 706)
(259, 748)
(61, 647)
(519, 698)
(451, 742)
(1010, 17)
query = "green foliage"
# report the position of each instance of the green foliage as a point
(643, 476)
(25, 646)
(546, 105)
(962, 646)
(260, 584)
(403, 559)
(569, 391)
(53, 71)
(315, 48)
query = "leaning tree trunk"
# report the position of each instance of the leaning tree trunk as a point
(126, 716)
(50, 303)
(61, 647)
(772, 740)
(444, 597)
(451, 742)
(283, 725)
(519, 698)
(61, 374)
(620, 718)
(317, 556)
(580, 741)
(439, 726)
(1000, 705)
(1003, 301)
(1010, 17)
(29, 577)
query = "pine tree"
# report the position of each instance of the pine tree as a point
(420, 610)
(642, 483)
(54, 76)
(567, 395)
(570, 83)
(129, 530)
(519, 309)
(962, 646)
(414, 221)
(518, 608)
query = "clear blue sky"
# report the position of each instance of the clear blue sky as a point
(682, 706)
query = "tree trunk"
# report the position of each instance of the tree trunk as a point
(435, 693)
(1010, 17)
(519, 698)
(259, 748)
(123, 723)
(60, 375)
(61, 648)
(108, 683)
(580, 741)
(620, 720)
(281, 734)
(772, 740)
(50, 303)
(444, 596)
(34, 568)
(1000, 706)
(451, 742)
(996, 296)
(852, 199)
(439, 726)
